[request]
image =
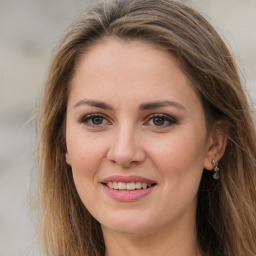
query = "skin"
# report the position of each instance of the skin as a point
(130, 140)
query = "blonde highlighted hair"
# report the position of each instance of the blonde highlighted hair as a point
(226, 211)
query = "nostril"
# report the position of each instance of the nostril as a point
(126, 158)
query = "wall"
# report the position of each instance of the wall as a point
(29, 29)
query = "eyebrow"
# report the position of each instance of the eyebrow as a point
(144, 106)
(93, 103)
(159, 104)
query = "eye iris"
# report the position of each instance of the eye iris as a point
(97, 120)
(158, 121)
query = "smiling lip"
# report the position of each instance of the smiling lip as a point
(127, 179)
(125, 195)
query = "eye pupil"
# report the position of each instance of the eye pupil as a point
(97, 120)
(158, 121)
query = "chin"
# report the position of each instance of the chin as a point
(128, 226)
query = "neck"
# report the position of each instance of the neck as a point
(180, 241)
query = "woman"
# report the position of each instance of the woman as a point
(147, 144)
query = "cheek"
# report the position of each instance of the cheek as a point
(82, 149)
(85, 157)
(84, 160)
(181, 165)
(180, 151)
(180, 160)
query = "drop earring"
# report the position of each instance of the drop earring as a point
(216, 169)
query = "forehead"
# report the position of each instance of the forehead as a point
(132, 69)
(129, 53)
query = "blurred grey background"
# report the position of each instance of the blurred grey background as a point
(29, 30)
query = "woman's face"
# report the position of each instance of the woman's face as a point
(136, 138)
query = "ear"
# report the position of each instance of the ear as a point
(217, 143)
(68, 159)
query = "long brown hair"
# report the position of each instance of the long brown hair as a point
(226, 211)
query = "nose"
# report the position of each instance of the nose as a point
(126, 149)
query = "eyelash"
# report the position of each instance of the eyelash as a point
(88, 120)
(166, 118)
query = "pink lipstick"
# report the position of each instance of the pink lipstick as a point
(128, 188)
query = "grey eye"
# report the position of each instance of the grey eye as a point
(97, 120)
(158, 121)
(94, 120)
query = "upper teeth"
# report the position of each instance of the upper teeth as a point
(128, 186)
